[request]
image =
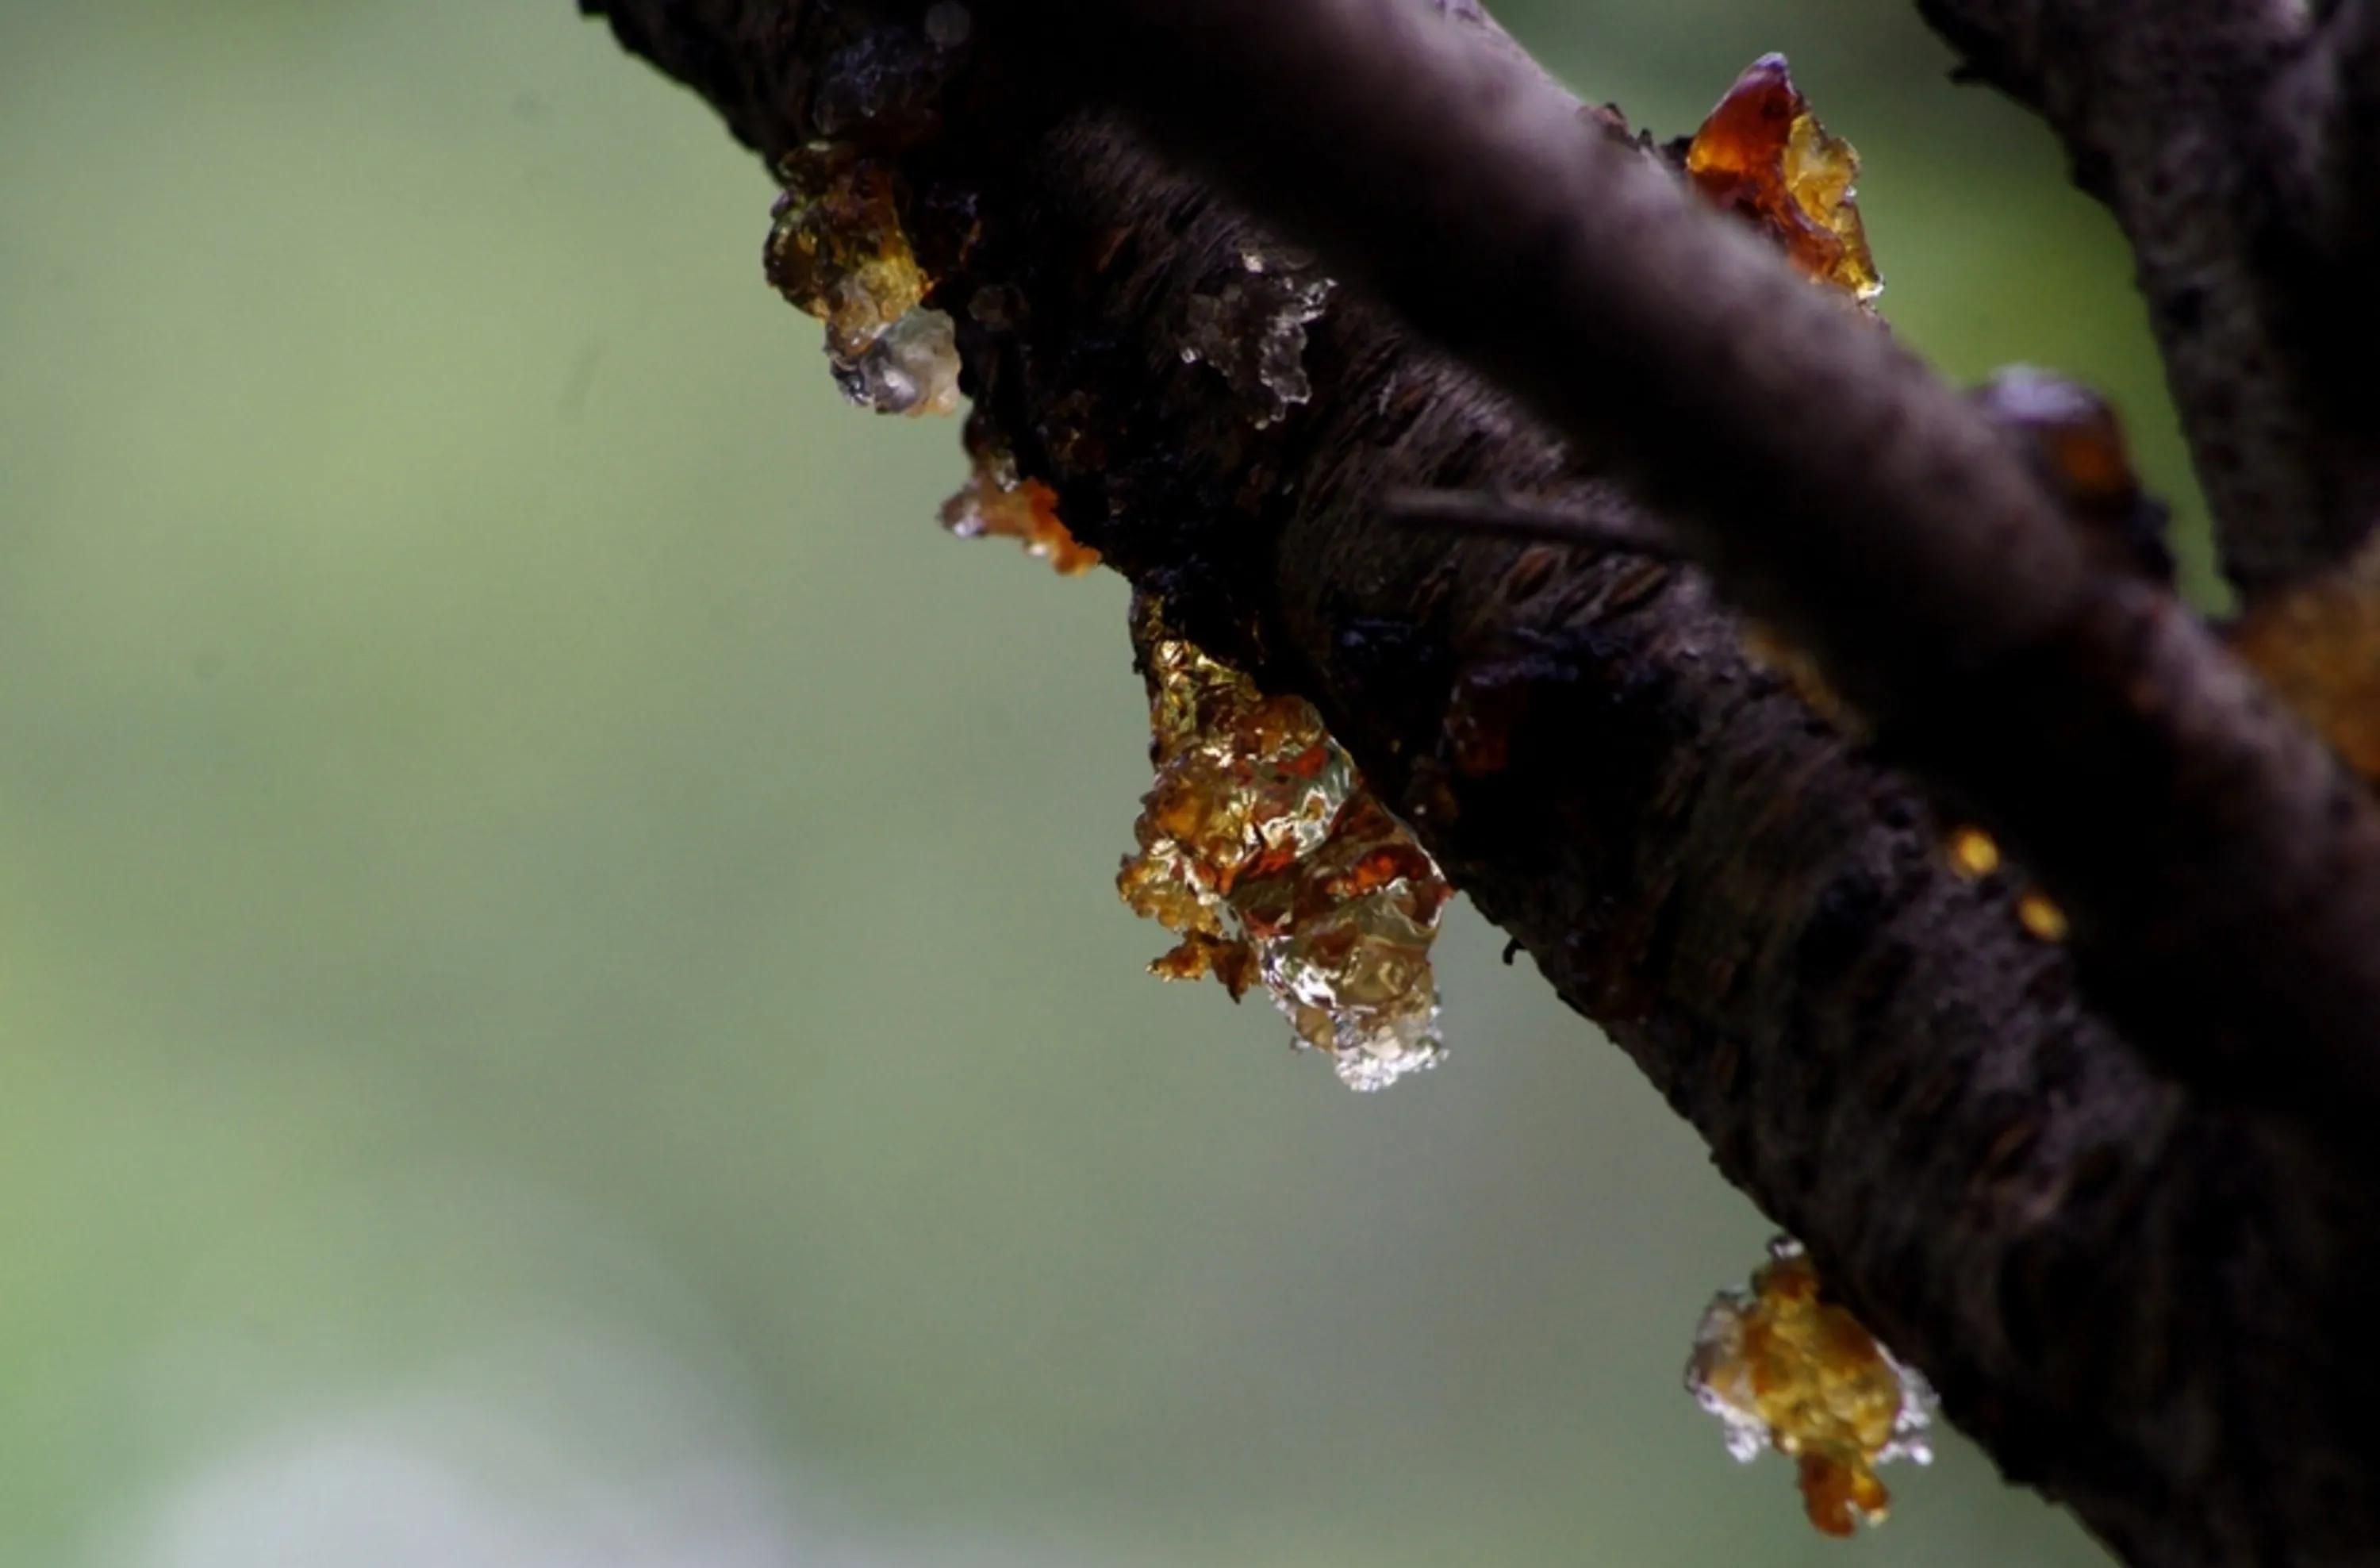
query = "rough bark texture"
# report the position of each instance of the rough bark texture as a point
(2191, 120)
(2222, 870)
(2145, 1300)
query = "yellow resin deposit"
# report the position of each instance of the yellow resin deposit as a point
(1261, 848)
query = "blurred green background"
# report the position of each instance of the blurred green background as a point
(561, 999)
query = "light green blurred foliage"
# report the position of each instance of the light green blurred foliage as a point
(560, 999)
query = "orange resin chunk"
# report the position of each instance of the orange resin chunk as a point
(996, 503)
(1763, 155)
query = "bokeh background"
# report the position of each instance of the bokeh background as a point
(560, 999)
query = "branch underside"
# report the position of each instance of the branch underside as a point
(2144, 1302)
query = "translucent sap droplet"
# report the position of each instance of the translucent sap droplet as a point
(911, 367)
(1396, 1052)
(1252, 328)
(1918, 1405)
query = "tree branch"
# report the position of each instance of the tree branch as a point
(2147, 1301)
(2187, 119)
(1869, 509)
(2329, 97)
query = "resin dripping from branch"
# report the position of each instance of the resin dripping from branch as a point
(1260, 847)
(998, 502)
(1785, 1368)
(838, 252)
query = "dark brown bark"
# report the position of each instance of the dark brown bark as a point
(2145, 1299)
(2208, 128)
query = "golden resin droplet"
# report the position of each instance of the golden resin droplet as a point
(1787, 1369)
(1260, 847)
(1972, 853)
(2039, 914)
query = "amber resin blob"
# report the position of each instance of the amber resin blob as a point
(1763, 155)
(998, 502)
(1261, 849)
(1787, 1369)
